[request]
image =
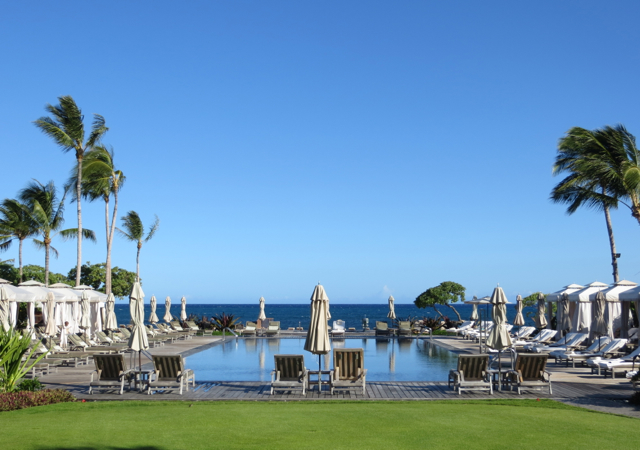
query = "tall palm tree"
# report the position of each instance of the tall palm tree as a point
(66, 128)
(15, 223)
(101, 180)
(135, 232)
(46, 212)
(603, 172)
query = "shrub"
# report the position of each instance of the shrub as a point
(10, 401)
(13, 346)
(222, 321)
(31, 385)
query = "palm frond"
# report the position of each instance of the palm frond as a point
(133, 225)
(152, 229)
(54, 131)
(98, 129)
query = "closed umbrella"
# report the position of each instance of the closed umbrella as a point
(519, 320)
(138, 340)
(598, 324)
(50, 328)
(167, 306)
(317, 341)
(183, 310)
(85, 318)
(262, 315)
(153, 318)
(564, 320)
(499, 338)
(4, 308)
(474, 312)
(541, 319)
(392, 309)
(111, 322)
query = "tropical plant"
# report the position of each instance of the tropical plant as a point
(100, 181)
(46, 212)
(134, 231)
(15, 223)
(590, 160)
(222, 321)
(13, 346)
(444, 294)
(32, 385)
(66, 128)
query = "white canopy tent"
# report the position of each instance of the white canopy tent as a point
(613, 313)
(555, 298)
(581, 303)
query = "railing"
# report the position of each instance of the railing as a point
(224, 337)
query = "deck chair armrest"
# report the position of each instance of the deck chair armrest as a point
(546, 375)
(456, 375)
(97, 372)
(336, 373)
(516, 374)
(304, 374)
(275, 375)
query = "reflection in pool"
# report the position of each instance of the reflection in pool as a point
(385, 359)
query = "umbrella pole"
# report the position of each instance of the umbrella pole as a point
(319, 373)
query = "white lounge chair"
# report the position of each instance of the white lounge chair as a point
(466, 325)
(569, 344)
(338, 328)
(543, 337)
(523, 333)
(606, 348)
(614, 365)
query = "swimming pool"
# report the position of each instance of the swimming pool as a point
(385, 359)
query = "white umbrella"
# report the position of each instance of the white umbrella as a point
(563, 317)
(541, 319)
(153, 318)
(183, 310)
(138, 340)
(4, 308)
(85, 319)
(317, 341)
(112, 322)
(262, 315)
(392, 310)
(50, 328)
(598, 324)
(499, 336)
(519, 320)
(167, 306)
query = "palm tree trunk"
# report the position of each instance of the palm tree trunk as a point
(138, 262)
(46, 263)
(612, 243)
(110, 242)
(20, 258)
(107, 278)
(78, 193)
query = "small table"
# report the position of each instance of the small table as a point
(498, 376)
(318, 374)
(140, 377)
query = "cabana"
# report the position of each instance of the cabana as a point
(626, 297)
(555, 298)
(613, 314)
(581, 305)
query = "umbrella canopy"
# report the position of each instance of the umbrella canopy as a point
(474, 313)
(167, 306)
(392, 309)
(540, 319)
(138, 340)
(85, 318)
(499, 336)
(598, 324)
(564, 316)
(262, 315)
(183, 309)
(4, 308)
(50, 328)
(317, 341)
(112, 322)
(519, 320)
(153, 318)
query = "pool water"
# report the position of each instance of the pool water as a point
(385, 359)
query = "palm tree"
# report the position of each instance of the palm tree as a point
(100, 181)
(46, 212)
(15, 223)
(135, 232)
(66, 128)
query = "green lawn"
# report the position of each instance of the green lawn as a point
(521, 424)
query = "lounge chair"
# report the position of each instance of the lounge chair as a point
(542, 337)
(471, 374)
(523, 333)
(193, 326)
(471, 332)
(338, 328)
(111, 372)
(464, 326)
(404, 328)
(289, 374)
(186, 333)
(614, 365)
(382, 329)
(169, 373)
(530, 373)
(250, 329)
(274, 328)
(75, 343)
(570, 344)
(348, 369)
(605, 348)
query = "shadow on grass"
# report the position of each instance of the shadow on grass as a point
(142, 447)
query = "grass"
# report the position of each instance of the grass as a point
(521, 424)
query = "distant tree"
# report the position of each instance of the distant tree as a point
(134, 231)
(15, 224)
(66, 127)
(37, 273)
(444, 294)
(9, 272)
(94, 275)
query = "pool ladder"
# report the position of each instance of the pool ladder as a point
(224, 338)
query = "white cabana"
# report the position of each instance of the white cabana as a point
(581, 302)
(555, 297)
(613, 312)
(626, 297)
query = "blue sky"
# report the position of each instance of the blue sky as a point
(376, 147)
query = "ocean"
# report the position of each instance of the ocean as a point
(294, 315)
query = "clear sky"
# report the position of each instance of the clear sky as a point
(377, 147)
